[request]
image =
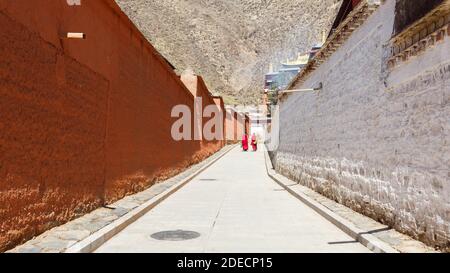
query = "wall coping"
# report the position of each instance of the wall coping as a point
(422, 34)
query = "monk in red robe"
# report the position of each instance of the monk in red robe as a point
(254, 143)
(245, 143)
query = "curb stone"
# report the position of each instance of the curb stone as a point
(98, 238)
(371, 242)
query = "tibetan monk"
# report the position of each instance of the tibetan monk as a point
(245, 143)
(254, 143)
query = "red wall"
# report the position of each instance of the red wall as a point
(82, 122)
(198, 88)
(237, 124)
(207, 99)
(221, 105)
(355, 3)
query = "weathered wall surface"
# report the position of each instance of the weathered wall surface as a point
(231, 42)
(236, 124)
(231, 125)
(52, 132)
(82, 122)
(377, 141)
(208, 100)
(223, 129)
(198, 89)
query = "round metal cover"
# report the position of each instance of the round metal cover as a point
(175, 235)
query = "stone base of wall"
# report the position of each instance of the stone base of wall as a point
(375, 139)
(367, 191)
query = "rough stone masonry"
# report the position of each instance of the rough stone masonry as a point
(376, 139)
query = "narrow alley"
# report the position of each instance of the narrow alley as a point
(131, 126)
(235, 207)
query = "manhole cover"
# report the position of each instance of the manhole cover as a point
(175, 235)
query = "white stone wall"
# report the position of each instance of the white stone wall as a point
(375, 140)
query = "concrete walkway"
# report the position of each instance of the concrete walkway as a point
(235, 207)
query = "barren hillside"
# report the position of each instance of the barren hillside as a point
(231, 42)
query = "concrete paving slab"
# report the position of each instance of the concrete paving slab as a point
(236, 207)
(372, 234)
(86, 229)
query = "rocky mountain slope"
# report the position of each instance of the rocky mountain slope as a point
(231, 42)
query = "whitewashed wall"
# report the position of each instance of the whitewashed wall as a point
(377, 141)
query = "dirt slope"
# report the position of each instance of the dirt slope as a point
(231, 42)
